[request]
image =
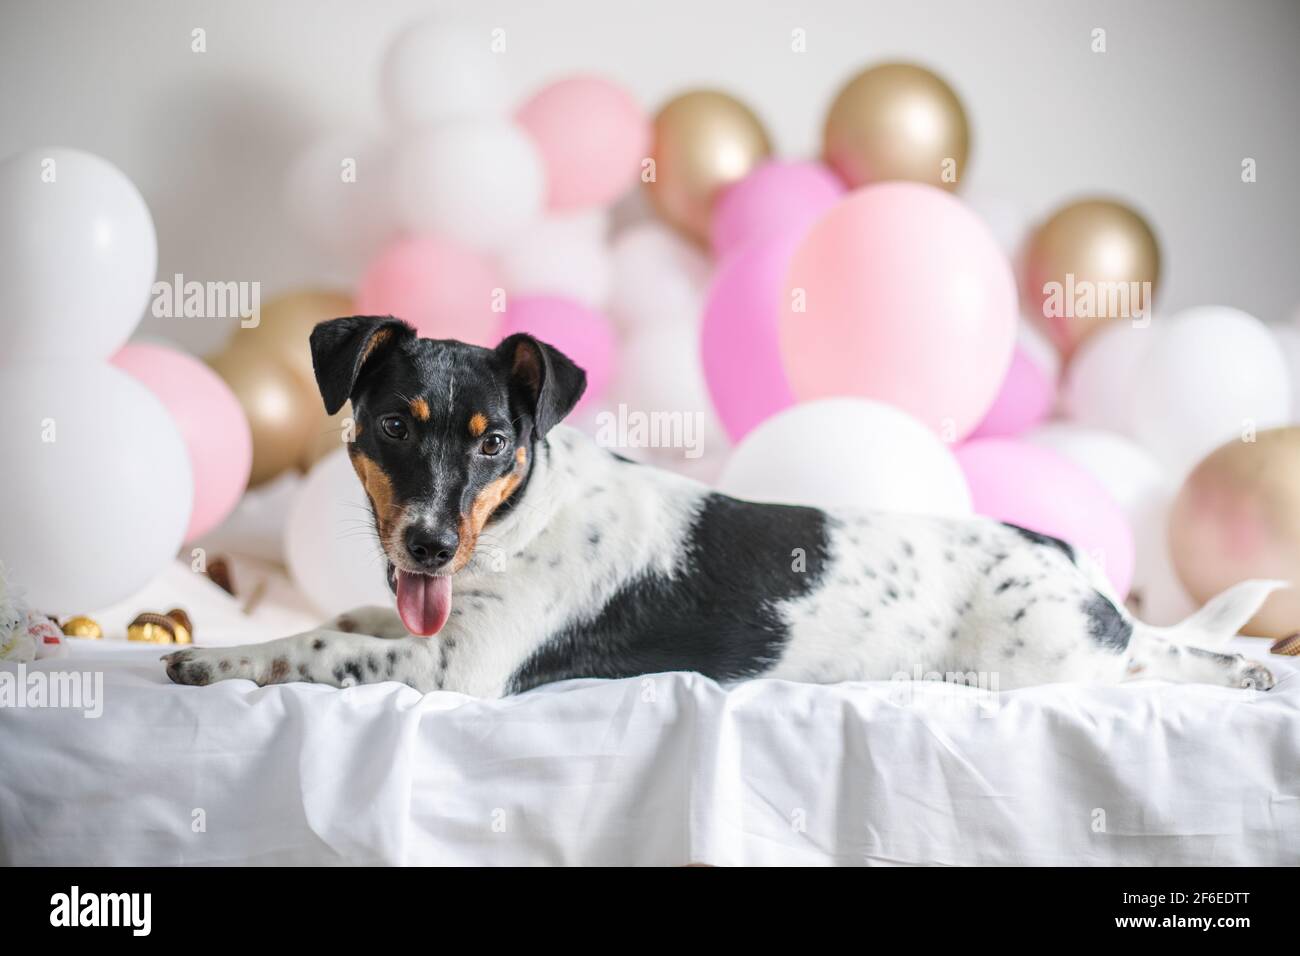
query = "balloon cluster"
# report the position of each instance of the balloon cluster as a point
(462, 206)
(1198, 400)
(112, 458)
(864, 336)
(864, 343)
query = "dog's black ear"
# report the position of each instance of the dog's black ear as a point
(544, 376)
(340, 347)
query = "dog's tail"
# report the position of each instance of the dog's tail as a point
(1222, 616)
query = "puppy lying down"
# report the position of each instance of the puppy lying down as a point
(520, 553)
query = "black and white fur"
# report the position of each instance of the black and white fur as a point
(600, 567)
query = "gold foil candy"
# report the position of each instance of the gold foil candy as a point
(82, 626)
(151, 629)
(1289, 645)
(184, 632)
(174, 627)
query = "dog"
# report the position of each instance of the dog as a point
(520, 553)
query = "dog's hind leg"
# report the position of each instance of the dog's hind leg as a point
(1181, 653)
(1153, 656)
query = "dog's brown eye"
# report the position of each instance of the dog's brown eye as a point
(492, 445)
(393, 427)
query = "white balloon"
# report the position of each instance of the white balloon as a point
(435, 71)
(479, 182)
(658, 277)
(1157, 594)
(592, 223)
(256, 528)
(1288, 339)
(78, 255)
(330, 541)
(562, 256)
(660, 374)
(848, 452)
(1213, 374)
(96, 481)
(337, 194)
(1099, 382)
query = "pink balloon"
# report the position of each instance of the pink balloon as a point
(739, 337)
(582, 334)
(776, 195)
(901, 294)
(1036, 488)
(1024, 400)
(592, 136)
(210, 421)
(445, 291)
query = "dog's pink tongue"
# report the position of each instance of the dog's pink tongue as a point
(423, 602)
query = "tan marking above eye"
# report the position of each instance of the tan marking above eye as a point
(478, 424)
(420, 409)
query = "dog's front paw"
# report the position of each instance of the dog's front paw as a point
(197, 666)
(185, 667)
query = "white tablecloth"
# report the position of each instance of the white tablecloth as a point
(667, 769)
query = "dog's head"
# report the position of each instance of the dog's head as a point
(443, 440)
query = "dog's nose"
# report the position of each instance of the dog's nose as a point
(431, 549)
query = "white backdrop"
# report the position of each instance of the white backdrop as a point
(1185, 91)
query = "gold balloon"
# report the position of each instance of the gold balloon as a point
(283, 409)
(328, 432)
(1092, 262)
(703, 141)
(285, 330)
(286, 324)
(1238, 516)
(897, 121)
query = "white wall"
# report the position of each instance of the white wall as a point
(1186, 90)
